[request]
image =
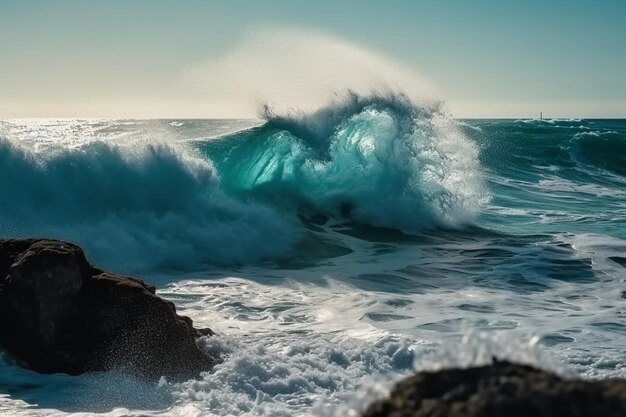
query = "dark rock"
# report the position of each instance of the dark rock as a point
(60, 314)
(501, 389)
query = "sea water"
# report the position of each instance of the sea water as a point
(332, 251)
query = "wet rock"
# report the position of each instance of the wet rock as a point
(58, 313)
(501, 389)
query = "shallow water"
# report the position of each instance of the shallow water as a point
(333, 252)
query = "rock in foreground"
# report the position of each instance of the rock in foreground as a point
(501, 389)
(58, 313)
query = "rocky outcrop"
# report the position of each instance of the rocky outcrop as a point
(58, 313)
(501, 389)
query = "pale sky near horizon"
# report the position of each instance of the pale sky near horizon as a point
(142, 58)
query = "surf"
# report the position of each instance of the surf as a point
(139, 207)
(379, 160)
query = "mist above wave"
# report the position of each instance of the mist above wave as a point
(299, 68)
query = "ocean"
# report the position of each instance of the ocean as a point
(332, 251)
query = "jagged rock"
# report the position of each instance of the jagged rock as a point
(58, 313)
(501, 389)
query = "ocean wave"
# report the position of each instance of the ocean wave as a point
(605, 150)
(135, 207)
(511, 149)
(141, 204)
(379, 160)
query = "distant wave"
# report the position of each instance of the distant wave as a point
(606, 150)
(571, 146)
(379, 160)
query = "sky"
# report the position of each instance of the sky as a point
(192, 58)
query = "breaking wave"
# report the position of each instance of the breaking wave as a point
(137, 207)
(378, 160)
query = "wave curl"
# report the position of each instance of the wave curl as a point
(380, 160)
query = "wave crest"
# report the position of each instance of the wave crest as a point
(380, 160)
(605, 150)
(138, 207)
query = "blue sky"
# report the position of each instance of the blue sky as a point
(489, 58)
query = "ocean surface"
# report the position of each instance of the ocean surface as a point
(333, 251)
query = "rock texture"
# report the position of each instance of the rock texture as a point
(501, 389)
(58, 313)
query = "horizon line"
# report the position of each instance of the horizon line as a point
(260, 119)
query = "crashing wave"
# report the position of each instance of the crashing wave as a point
(137, 207)
(377, 160)
(380, 160)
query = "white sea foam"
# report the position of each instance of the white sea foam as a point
(297, 348)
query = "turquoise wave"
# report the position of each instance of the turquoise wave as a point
(380, 161)
(137, 207)
(375, 162)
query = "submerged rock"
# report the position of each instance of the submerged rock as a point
(501, 389)
(58, 313)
